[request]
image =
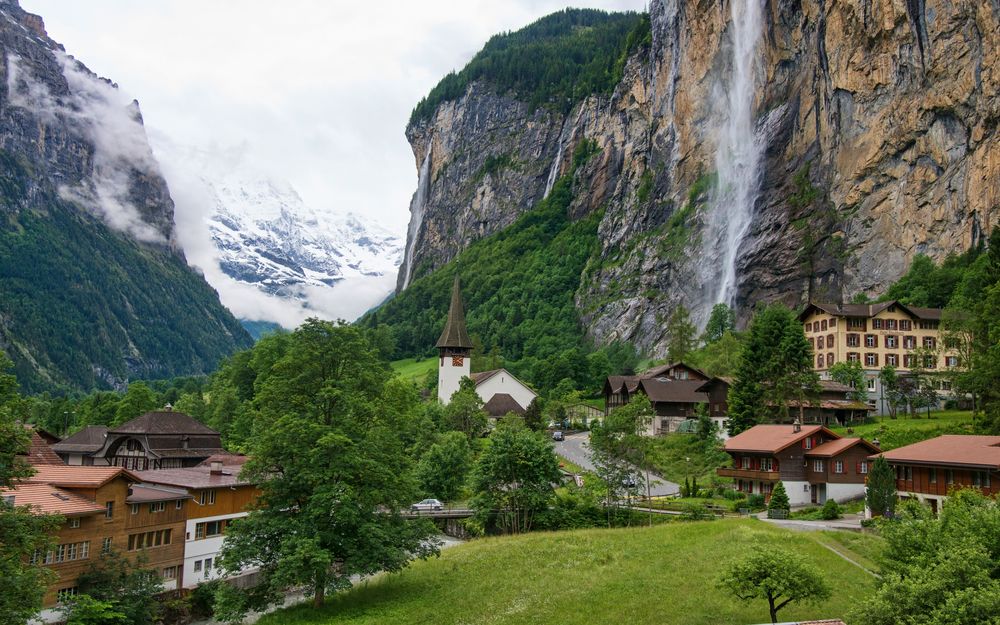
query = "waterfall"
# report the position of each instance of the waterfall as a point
(738, 153)
(417, 206)
(554, 170)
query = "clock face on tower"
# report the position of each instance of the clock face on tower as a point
(457, 361)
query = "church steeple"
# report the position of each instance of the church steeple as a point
(454, 347)
(455, 335)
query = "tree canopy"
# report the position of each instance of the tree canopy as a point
(777, 575)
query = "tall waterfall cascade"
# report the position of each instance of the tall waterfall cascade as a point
(417, 206)
(553, 171)
(739, 151)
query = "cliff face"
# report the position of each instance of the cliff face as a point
(875, 128)
(94, 290)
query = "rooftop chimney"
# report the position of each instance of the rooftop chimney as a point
(876, 443)
(168, 408)
(796, 426)
(216, 467)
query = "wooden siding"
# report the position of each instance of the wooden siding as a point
(227, 501)
(921, 479)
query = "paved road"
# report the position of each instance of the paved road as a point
(576, 449)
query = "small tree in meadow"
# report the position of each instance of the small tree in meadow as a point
(831, 510)
(777, 575)
(779, 501)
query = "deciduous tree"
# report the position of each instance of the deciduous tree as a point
(777, 575)
(443, 470)
(721, 320)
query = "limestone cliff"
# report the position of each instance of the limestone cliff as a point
(878, 128)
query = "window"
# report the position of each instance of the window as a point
(808, 443)
(208, 564)
(905, 325)
(908, 474)
(109, 510)
(856, 323)
(215, 528)
(170, 572)
(951, 361)
(180, 504)
(823, 325)
(871, 384)
(838, 466)
(157, 506)
(871, 360)
(854, 340)
(930, 362)
(817, 466)
(68, 553)
(765, 464)
(863, 467)
(890, 324)
(106, 545)
(929, 342)
(892, 360)
(746, 462)
(830, 359)
(981, 479)
(853, 357)
(907, 361)
(197, 565)
(74, 522)
(65, 593)
(877, 324)
(932, 476)
(819, 362)
(833, 322)
(820, 343)
(812, 343)
(909, 342)
(135, 508)
(871, 340)
(207, 497)
(829, 340)
(809, 327)
(950, 476)
(891, 341)
(145, 540)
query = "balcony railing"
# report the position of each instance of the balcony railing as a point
(748, 474)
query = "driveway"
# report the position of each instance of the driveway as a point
(576, 449)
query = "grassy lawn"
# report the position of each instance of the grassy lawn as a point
(904, 430)
(570, 466)
(662, 575)
(679, 456)
(414, 369)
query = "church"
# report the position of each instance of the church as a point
(500, 391)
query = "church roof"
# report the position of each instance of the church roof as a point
(502, 403)
(455, 334)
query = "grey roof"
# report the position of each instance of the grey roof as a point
(455, 334)
(86, 440)
(502, 403)
(674, 391)
(163, 422)
(870, 310)
(193, 477)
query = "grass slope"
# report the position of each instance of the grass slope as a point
(414, 369)
(663, 575)
(903, 430)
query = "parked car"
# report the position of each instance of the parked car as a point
(629, 481)
(558, 436)
(427, 505)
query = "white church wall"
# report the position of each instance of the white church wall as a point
(504, 382)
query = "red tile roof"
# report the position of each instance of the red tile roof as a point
(40, 453)
(78, 476)
(193, 477)
(832, 448)
(773, 438)
(48, 499)
(951, 449)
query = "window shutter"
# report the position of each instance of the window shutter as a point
(857, 468)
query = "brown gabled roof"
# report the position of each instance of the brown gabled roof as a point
(673, 391)
(713, 381)
(49, 499)
(833, 385)
(454, 333)
(193, 477)
(78, 476)
(163, 422)
(951, 449)
(481, 376)
(39, 451)
(89, 439)
(833, 448)
(614, 383)
(870, 310)
(501, 404)
(661, 369)
(227, 459)
(773, 438)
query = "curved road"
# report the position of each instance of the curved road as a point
(576, 449)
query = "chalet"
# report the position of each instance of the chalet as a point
(834, 406)
(156, 440)
(215, 494)
(100, 513)
(672, 389)
(814, 463)
(500, 390)
(875, 335)
(929, 470)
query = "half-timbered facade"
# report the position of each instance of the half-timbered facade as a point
(162, 439)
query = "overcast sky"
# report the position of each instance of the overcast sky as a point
(315, 92)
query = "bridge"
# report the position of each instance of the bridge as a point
(445, 513)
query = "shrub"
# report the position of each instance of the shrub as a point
(755, 502)
(733, 495)
(696, 512)
(202, 599)
(831, 510)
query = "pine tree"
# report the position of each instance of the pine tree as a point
(680, 335)
(721, 320)
(881, 495)
(779, 501)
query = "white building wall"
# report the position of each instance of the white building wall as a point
(844, 492)
(799, 493)
(198, 550)
(450, 375)
(504, 382)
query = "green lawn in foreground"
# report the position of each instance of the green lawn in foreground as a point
(903, 430)
(663, 575)
(413, 369)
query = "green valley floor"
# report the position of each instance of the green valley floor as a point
(662, 575)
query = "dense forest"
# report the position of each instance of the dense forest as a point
(83, 307)
(556, 61)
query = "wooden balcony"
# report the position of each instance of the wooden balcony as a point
(748, 474)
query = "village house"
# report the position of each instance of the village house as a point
(215, 494)
(814, 463)
(673, 390)
(161, 439)
(875, 335)
(500, 390)
(927, 471)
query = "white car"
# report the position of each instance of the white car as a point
(427, 504)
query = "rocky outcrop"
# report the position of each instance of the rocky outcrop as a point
(878, 122)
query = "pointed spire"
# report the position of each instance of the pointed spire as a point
(454, 334)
